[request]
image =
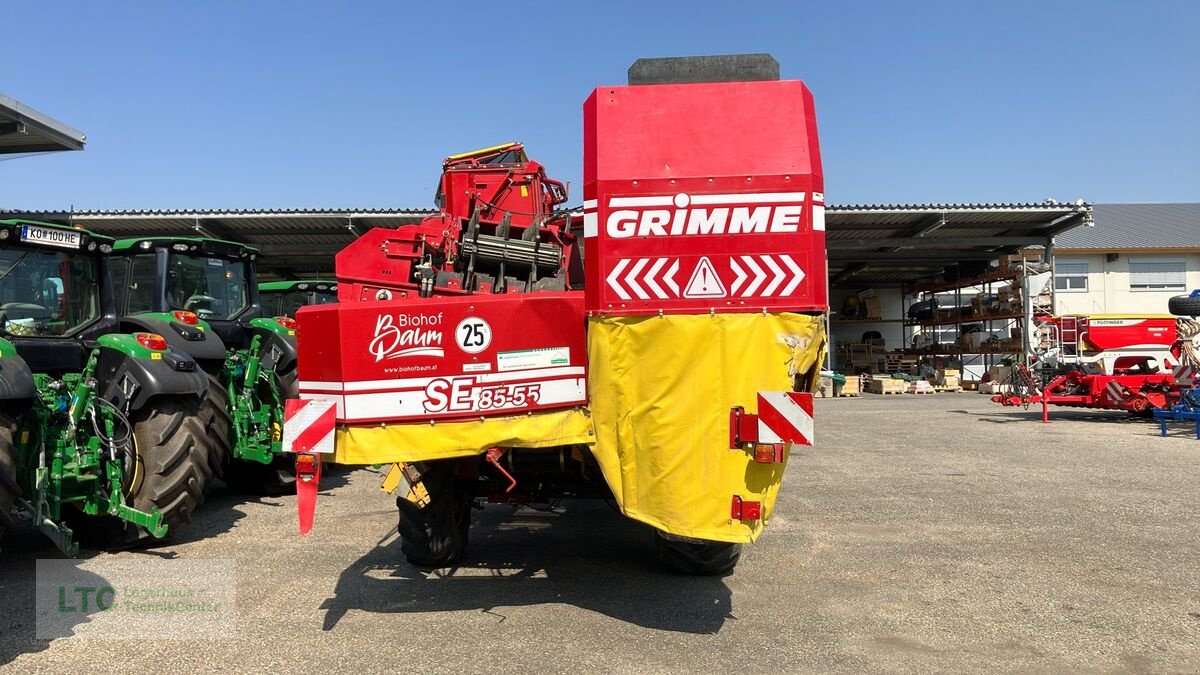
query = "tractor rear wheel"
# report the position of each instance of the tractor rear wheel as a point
(695, 556)
(9, 490)
(216, 410)
(170, 468)
(1184, 305)
(436, 535)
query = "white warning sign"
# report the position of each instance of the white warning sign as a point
(704, 282)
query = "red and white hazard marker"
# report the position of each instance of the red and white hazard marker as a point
(308, 425)
(309, 428)
(785, 417)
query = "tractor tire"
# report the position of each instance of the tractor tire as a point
(693, 556)
(218, 425)
(9, 490)
(1184, 305)
(288, 382)
(171, 464)
(436, 536)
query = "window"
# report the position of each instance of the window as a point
(47, 293)
(1157, 276)
(213, 288)
(139, 296)
(1070, 275)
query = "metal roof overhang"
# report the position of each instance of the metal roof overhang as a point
(882, 245)
(25, 130)
(867, 245)
(294, 243)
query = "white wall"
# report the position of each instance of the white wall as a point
(1108, 289)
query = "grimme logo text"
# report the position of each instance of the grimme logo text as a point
(401, 335)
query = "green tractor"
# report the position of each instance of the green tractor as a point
(283, 298)
(202, 295)
(99, 431)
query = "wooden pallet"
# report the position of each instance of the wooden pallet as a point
(922, 391)
(848, 394)
(943, 390)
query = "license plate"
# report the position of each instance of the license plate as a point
(51, 236)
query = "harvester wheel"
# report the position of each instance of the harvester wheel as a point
(694, 556)
(170, 469)
(1184, 305)
(218, 423)
(9, 490)
(436, 535)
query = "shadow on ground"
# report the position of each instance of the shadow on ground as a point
(586, 556)
(1004, 415)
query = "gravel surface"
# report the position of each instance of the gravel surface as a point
(923, 533)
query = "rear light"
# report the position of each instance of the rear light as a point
(741, 510)
(287, 322)
(768, 453)
(189, 318)
(152, 341)
(306, 465)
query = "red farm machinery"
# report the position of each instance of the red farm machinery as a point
(1131, 362)
(658, 349)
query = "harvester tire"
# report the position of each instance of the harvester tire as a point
(693, 556)
(9, 490)
(171, 468)
(1184, 305)
(436, 535)
(218, 423)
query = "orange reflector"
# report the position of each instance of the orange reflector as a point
(306, 464)
(287, 322)
(768, 453)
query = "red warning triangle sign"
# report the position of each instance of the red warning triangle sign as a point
(704, 282)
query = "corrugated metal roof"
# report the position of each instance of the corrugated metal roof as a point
(867, 244)
(1134, 226)
(23, 129)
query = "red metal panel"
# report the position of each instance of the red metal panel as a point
(444, 357)
(703, 197)
(1113, 334)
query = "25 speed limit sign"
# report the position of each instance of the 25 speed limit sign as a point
(473, 335)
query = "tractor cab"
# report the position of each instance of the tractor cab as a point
(55, 294)
(283, 298)
(189, 281)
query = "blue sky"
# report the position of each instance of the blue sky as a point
(323, 104)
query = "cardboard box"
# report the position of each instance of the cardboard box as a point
(886, 385)
(1000, 373)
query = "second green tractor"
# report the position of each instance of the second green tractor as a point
(202, 296)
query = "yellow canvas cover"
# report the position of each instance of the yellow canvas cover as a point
(388, 443)
(661, 389)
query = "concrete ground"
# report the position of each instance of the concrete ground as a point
(923, 533)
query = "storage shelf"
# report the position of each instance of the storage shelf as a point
(972, 319)
(1007, 275)
(852, 321)
(962, 352)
